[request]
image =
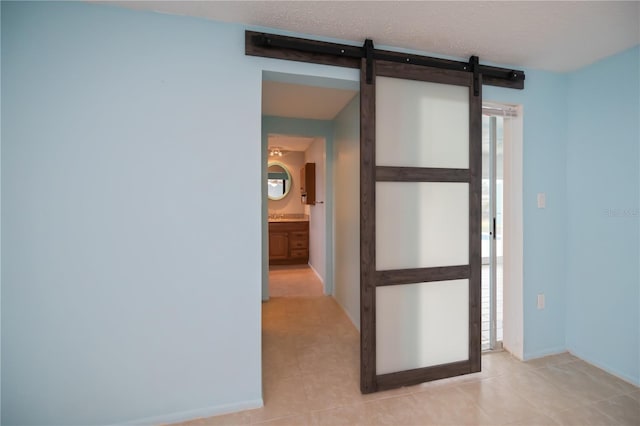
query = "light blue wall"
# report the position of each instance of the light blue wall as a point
(130, 288)
(346, 159)
(120, 265)
(544, 159)
(603, 187)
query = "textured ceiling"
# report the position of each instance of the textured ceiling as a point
(553, 35)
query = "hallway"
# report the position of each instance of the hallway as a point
(310, 353)
(293, 281)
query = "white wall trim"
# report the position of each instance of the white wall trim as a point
(198, 413)
(355, 324)
(319, 277)
(513, 337)
(546, 352)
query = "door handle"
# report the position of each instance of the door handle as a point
(494, 228)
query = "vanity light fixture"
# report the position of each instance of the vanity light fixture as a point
(275, 151)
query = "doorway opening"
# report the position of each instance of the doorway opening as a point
(298, 118)
(306, 330)
(496, 132)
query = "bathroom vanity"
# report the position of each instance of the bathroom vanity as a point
(288, 242)
(289, 232)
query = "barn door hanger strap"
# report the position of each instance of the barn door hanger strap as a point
(304, 50)
(368, 53)
(474, 67)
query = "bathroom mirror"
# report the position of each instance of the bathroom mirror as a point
(278, 180)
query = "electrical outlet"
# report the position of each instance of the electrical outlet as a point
(542, 200)
(541, 301)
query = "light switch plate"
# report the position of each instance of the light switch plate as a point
(541, 301)
(542, 200)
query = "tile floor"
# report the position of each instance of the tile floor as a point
(311, 366)
(486, 305)
(293, 281)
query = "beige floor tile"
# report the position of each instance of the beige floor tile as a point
(450, 406)
(234, 419)
(278, 344)
(321, 360)
(281, 351)
(452, 381)
(331, 389)
(293, 281)
(577, 383)
(347, 348)
(543, 394)
(435, 384)
(496, 364)
(280, 367)
(624, 410)
(391, 393)
(317, 344)
(583, 416)
(402, 410)
(550, 360)
(498, 400)
(535, 420)
(350, 415)
(299, 420)
(344, 332)
(602, 376)
(314, 338)
(282, 398)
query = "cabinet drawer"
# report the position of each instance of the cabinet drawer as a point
(289, 227)
(298, 253)
(299, 235)
(298, 244)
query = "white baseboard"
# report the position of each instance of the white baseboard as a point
(613, 371)
(545, 352)
(355, 324)
(317, 274)
(516, 355)
(198, 413)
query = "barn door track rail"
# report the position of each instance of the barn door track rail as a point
(320, 52)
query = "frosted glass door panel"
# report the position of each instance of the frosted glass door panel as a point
(421, 325)
(420, 124)
(421, 224)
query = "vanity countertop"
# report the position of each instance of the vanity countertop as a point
(289, 218)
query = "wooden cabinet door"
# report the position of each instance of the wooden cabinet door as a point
(308, 183)
(278, 245)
